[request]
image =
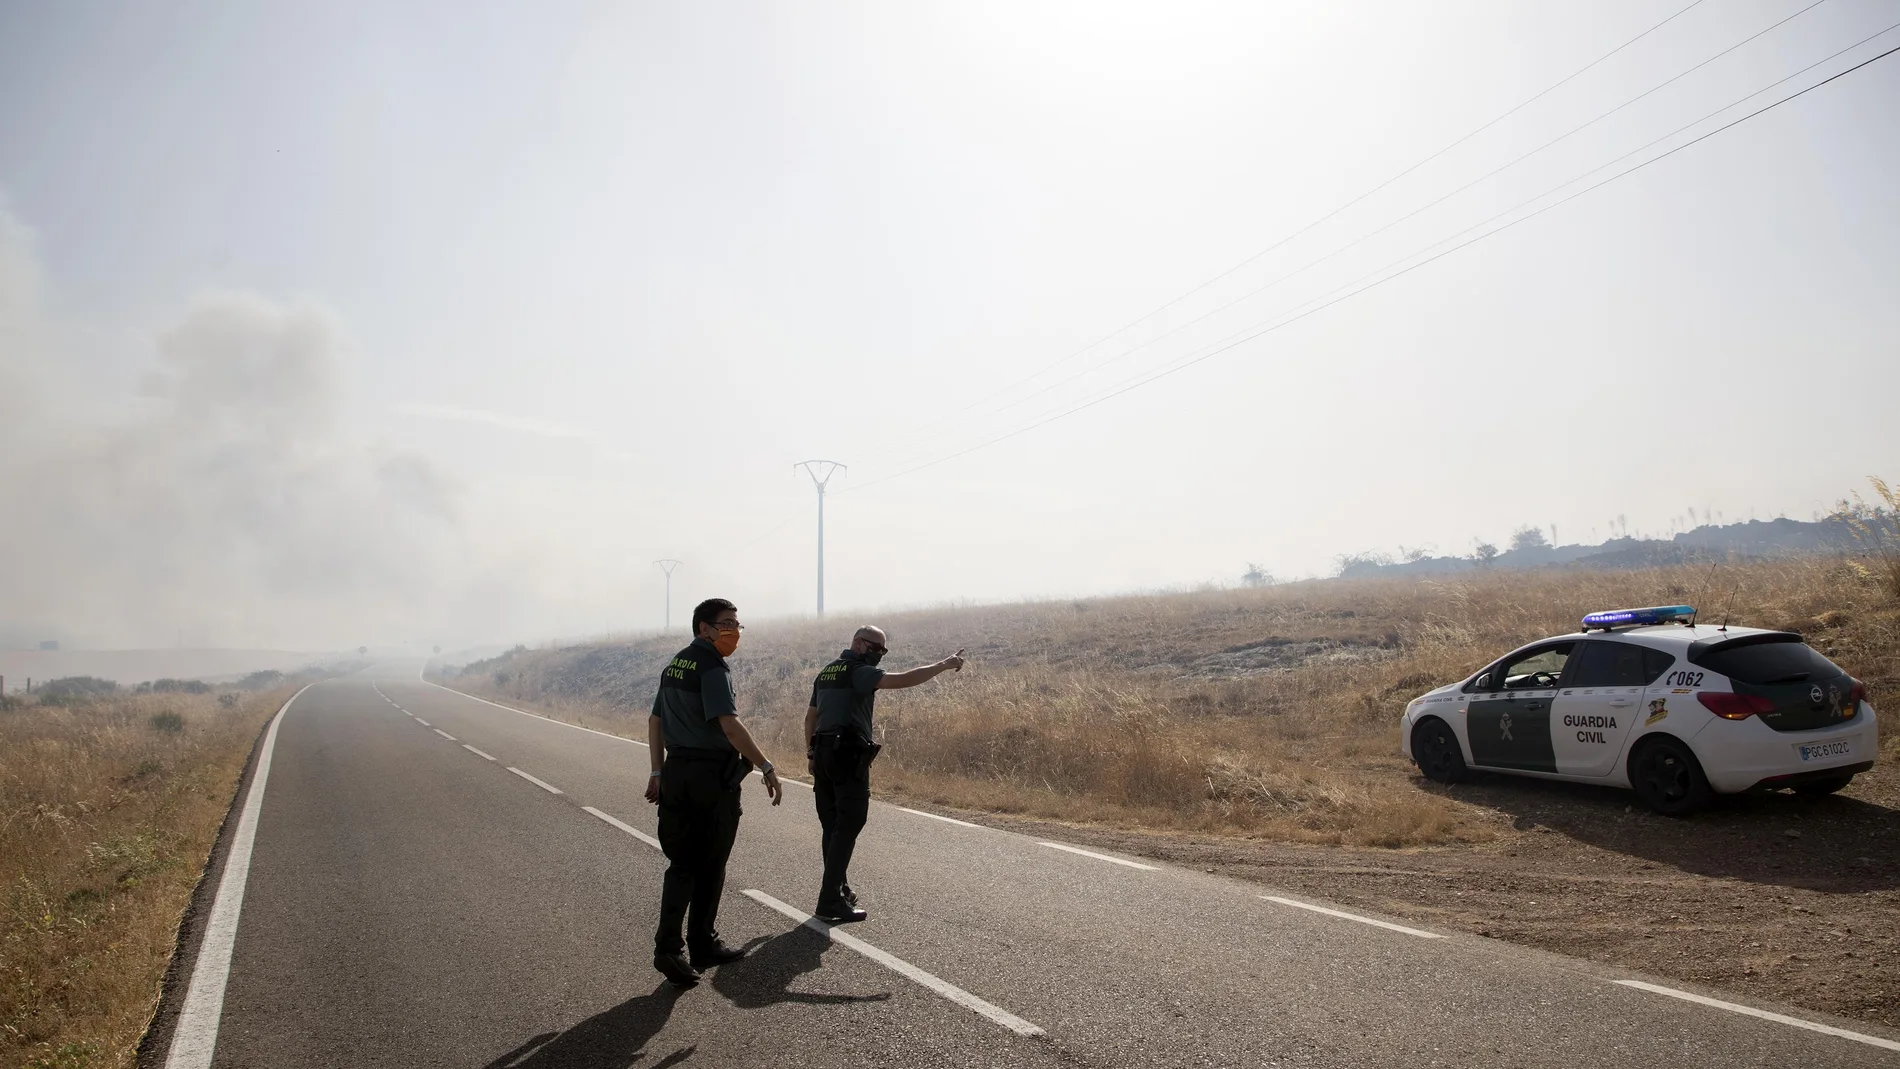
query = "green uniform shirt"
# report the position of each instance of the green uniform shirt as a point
(695, 691)
(844, 693)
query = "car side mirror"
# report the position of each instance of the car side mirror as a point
(1484, 682)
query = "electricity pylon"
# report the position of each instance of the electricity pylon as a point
(667, 566)
(831, 467)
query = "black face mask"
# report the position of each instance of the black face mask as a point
(871, 657)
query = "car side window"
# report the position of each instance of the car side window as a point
(1537, 669)
(1608, 663)
(1655, 663)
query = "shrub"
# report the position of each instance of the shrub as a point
(170, 723)
(75, 689)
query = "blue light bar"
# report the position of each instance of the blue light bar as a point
(1658, 614)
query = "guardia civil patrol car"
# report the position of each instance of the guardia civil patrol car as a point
(1651, 700)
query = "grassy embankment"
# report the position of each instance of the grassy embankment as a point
(1269, 712)
(108, 810)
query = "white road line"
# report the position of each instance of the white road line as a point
(548, 787)
(959, 823)
(900, 966)
(1096, 856)
(1352, 917)
(616, 822)
(476, 752)
(421, 721)
(444, 734)
(524, 712)
(1858, 1037)
(196, 1034)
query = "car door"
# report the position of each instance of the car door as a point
(1597, 702)
(1511, 728)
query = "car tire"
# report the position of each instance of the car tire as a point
(1435, 750)
(1823, 786)
(1668, 778)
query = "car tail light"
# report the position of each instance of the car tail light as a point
(1734, 706)
(1855, 695)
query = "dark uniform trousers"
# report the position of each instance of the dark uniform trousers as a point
(699, 818)
(841, 782)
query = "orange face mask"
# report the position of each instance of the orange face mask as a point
(727, 641)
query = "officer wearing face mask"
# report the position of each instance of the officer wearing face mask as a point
(701, 755)
(838, 732)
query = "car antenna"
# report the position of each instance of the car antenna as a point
(1731, 607)
(1705, 590)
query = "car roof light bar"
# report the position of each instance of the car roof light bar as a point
(1655, 614)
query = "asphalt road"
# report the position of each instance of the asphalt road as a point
(411, 901)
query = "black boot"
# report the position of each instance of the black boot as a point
(674, 968)
(716, 954)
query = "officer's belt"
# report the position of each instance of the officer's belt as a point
(695, 753)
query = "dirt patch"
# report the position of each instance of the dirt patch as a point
(1788, 898)
(1275, 655)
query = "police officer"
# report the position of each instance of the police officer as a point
(700, 754)
(838, 736)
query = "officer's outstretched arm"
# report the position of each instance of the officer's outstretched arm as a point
(741, 740)
(923, 673)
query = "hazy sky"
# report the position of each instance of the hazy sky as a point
(439, 322)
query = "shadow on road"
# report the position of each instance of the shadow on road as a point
(765, 978)
(1834, 844)
(611, 1039)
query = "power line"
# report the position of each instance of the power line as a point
(1303, 268)
(1342, 208)
(1224, 347)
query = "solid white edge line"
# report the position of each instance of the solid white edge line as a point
(623, 826)
(444, 734)
(1778, 1018)
(1098, 857)
(940, 816)
(195, 1036)
(1343, 915)
(476, 752)
(543, 784)
(900, 966)
(524, 712)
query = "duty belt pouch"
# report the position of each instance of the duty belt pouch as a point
(737, 769)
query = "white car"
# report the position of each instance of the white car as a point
(1651, 700)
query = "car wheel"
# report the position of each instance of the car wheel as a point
(1823, 786)
(1668, 778)
(1436, 751)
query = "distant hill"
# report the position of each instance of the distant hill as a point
(1754, 539)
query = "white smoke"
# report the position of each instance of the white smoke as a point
(221, 499)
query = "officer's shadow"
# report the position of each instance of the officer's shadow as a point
(766, 975)
(611, 1039)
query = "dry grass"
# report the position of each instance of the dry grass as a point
(107, 813)
(1269, 712)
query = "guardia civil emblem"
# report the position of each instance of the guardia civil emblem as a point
(1504, 726)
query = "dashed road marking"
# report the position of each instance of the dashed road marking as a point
(476, 752)
(421, 721)
(543, 784)
(1353, 917)
(1098, 857)
(623, 826)
(444, 734)
(524, 712)
(949, 820)
(196, 1035)
(1732, 1007)
(900, 966)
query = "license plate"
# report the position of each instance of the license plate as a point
(1826, 751)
